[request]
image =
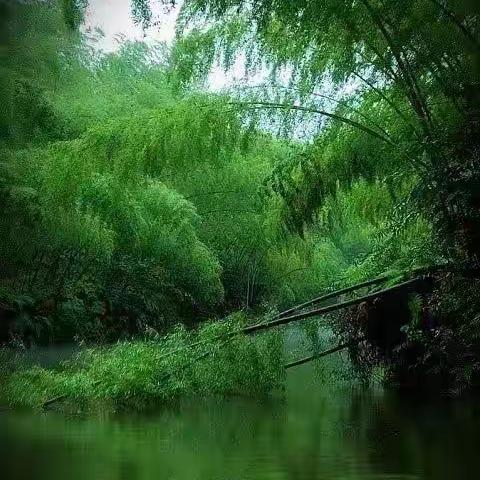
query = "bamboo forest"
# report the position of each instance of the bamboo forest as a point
(239, 239)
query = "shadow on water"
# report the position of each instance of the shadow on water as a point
(319, 431)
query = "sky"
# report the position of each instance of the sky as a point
(113, 17)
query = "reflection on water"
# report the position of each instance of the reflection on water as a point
(316, 433)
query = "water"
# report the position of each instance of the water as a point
(317, 432)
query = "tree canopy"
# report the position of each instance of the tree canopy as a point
(133, 197)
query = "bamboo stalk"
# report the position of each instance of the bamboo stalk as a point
(342, 346)
(331, 308)
(334, 116)
(339, 102)
(336, 293)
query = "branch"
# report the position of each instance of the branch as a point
(456, 21)
(348, 121)
(342, 346)
(336, 293)
(329, 309)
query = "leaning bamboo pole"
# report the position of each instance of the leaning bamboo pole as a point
(315, 356)
(334, 294)
(368, 283)
(331, 308)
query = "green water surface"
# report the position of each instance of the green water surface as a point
(318, 431)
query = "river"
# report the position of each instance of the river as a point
(319, 430)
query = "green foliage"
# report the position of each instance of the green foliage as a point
(74, 11)
(141, 202)
(132, 198)
(405, 74)
(135, 374)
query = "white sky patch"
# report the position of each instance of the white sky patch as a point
(114, 19)
(236, 76)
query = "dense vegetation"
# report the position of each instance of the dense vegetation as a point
(134, 199)
(138, 374)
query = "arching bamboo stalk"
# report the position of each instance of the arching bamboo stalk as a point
(338, 102)
(334, 116)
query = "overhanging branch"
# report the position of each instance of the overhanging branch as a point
(334, 116)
